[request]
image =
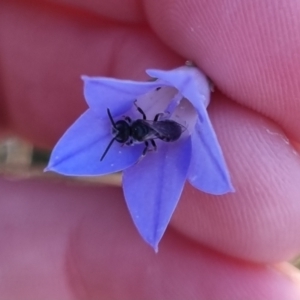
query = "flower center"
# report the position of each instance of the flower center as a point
(170, 104)
(182, 111)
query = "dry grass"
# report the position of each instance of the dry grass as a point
(20, 159)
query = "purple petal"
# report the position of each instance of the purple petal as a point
(117, 95)
(208, 171)
(191, 83)
(153, 187)
(79, 150)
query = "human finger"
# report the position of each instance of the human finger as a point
(43, 55)
(61, 103)
(69, 241)
(248, 49)
(128, 11)
(260, 221)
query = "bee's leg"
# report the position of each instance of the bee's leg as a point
(129, 142)
(127, 119)
(153, 145)
(165, 115)
(146, 148)
(140, 111)
(157, 117)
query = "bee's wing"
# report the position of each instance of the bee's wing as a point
(166, 129)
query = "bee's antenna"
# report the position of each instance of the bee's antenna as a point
(111, 119)
(107, 148)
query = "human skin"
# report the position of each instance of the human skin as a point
(73, 241)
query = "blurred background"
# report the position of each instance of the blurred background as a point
(20, 159)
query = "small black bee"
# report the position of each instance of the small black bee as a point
(142, 130)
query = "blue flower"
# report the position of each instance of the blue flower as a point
(152, 183)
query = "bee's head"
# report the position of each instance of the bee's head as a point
(121, 131)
